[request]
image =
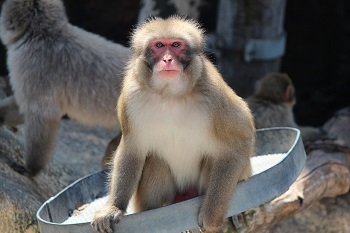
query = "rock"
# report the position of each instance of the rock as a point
(78, 152)
(19, 195)
(326, 215)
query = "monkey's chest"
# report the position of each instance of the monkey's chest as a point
(178, 133)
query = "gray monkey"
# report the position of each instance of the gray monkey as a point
(272, 105)
(56, 68)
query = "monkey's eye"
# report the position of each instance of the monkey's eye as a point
(159, 44)
(176, 44)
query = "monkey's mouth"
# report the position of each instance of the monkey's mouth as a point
(169, 73)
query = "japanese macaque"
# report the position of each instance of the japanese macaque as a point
(272, 105)
(56, 69)
(184, 130)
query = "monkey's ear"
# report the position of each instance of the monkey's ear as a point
(288, 94)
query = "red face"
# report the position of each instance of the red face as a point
(167, 53)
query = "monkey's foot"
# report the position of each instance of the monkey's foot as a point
(20, 169)
(104, 218)
(209, 223)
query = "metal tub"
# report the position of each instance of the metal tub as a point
(279, 160)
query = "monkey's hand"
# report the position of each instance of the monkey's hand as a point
(104, 218)
(209, 223)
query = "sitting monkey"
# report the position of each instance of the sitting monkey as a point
(272, 105)
(185, 131)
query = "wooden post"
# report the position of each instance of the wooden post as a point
(165, 8)
(250, 41)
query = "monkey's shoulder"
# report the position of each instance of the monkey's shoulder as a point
(230, 115)
(264, 107)
(225, 102)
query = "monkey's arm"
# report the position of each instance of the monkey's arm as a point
(233, 129)
(225, 174)
(125, 176)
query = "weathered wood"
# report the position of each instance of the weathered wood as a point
(241, 20)
(326, 174)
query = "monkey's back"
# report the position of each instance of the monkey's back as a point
(268, 114)
(70, 71)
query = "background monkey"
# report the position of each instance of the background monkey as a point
(55, 69)
(183, 128)
(272, 105)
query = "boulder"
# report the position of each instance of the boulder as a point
(19, 195)
(79, 151)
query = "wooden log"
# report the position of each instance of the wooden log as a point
(326, 174)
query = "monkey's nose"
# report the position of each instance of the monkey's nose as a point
(167, 58)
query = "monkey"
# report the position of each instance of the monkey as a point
(184, 130)
(58, 69)
(272, 105)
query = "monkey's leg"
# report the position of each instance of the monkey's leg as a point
(124, 178)
(226, 172)
(40, 138)
(157, 186)
(110, 150)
